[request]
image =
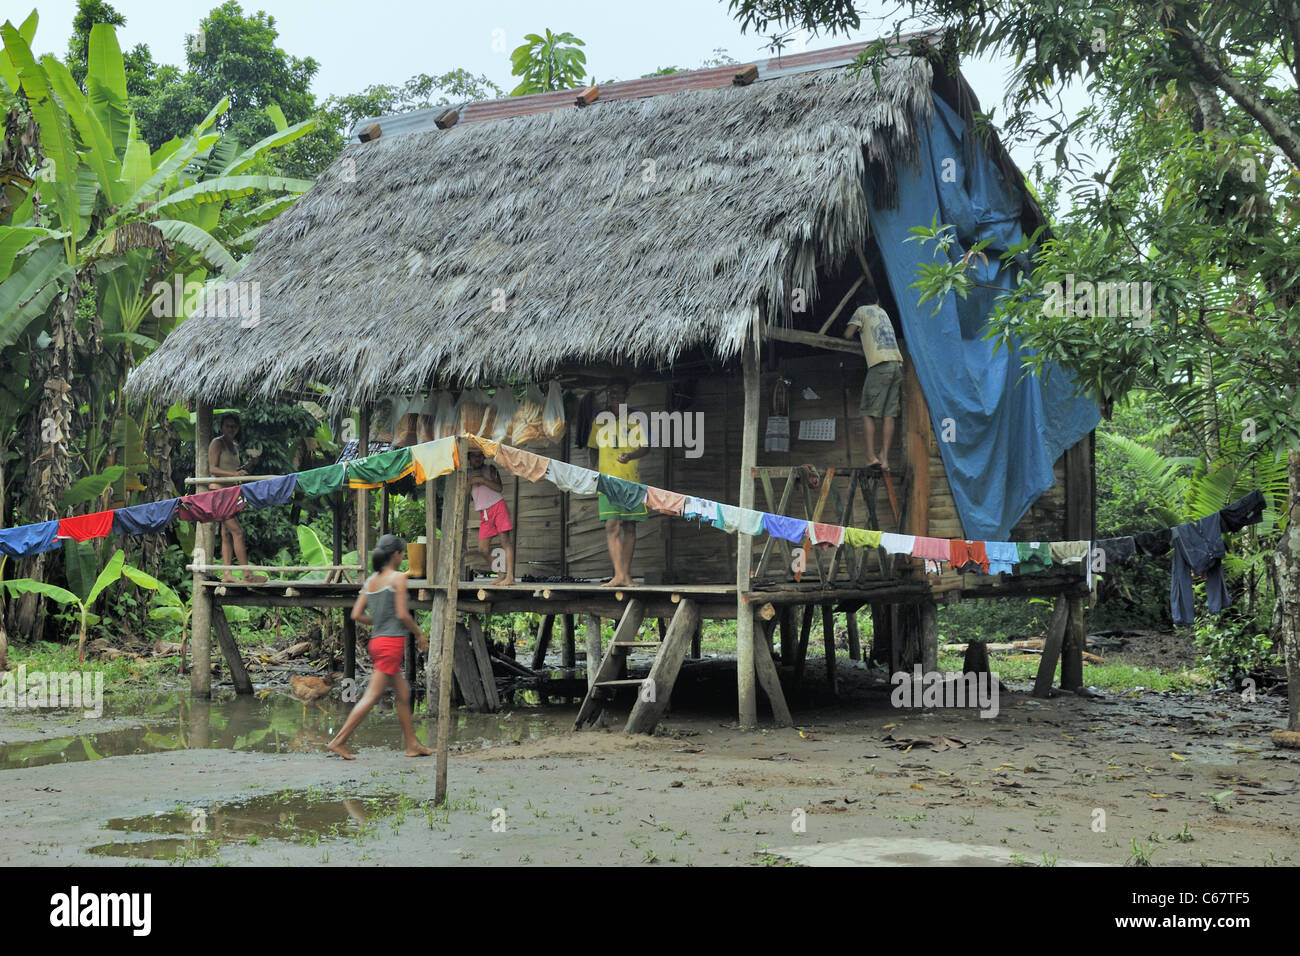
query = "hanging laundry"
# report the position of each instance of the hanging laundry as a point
(211, 505)
(269, 491)
(1069, 552)
(1002, 555)
(1248, 509)
(374, 471)
(826, 535)
(1119, 550)
(433, 459)
(87, 527)
(936, 549)
(572, 478)
(29, 539)
(897, 543)
(485, 445)
(522, 464)
(968, 556)
(1034, 556)
(789, 529)
(703, 509)
(733, 519)
(1153, 543)
(862, 537)
(626, 496)
(148, 518)
(665, 502)
(318, 482)
(1198, 546)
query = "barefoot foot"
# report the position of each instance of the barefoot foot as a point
(339, 749)
(419, 750)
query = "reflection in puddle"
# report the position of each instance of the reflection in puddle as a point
(294, 816)
(272, 725)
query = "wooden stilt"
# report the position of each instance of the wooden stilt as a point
(929, 636)
(569, 651)
(543, 643)
(364, 541)
(855, 641)
(612, 664)
(466, 672)
(789, 633)
(483, 661)
(444, 617)
(230, 650)
(801, 656)
(1076, 636)
(201, 615)
(350, 648)
(770, 681)
(828, 638)
(697, 640)
(594, 650)
(745, 690)
(1052, 648)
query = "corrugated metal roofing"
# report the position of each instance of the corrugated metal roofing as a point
(485, 111)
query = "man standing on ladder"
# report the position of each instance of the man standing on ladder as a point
(882, 392)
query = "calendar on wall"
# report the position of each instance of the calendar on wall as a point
(817, 429)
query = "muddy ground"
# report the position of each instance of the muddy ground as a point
(161, 780)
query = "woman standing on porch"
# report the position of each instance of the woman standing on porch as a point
(390, 622)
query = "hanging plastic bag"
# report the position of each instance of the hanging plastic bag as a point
(424, 425)
(526, 427)
(553, 414)
(504, 407)
(406, 418)
(446, 417)
(475, 412)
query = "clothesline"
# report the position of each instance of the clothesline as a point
(1194, 544)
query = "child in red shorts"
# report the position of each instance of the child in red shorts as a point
(485, 489)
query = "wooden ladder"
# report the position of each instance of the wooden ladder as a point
(655, 690)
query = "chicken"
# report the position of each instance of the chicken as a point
(310, 690)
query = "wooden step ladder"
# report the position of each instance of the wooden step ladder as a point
(655, 690)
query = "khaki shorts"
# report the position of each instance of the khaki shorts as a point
(882, 392)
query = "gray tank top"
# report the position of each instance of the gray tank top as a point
(383, 613)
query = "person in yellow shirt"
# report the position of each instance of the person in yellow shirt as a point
(883, 389)
(619, 444)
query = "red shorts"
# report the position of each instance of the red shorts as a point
(495, 521)
(386, 653)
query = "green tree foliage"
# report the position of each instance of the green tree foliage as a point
(546, 63)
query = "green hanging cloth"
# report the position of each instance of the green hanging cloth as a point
(374, 470)
(319, 482)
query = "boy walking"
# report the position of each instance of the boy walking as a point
(882, 391)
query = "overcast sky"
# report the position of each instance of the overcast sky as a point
(388, 41)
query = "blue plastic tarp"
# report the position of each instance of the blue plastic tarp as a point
(1005, 432)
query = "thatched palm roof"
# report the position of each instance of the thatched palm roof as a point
(630, 231)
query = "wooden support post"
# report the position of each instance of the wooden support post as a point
(770, 681)
(652, 698)
(1072, 647)
(801, 656)
(430, 527)
(745, 691)
(230, 651)
(364, 543)
(929, 636)
(611, 664)
(1052, 648)
(828, 638)
(456, 498)
(569, 650)
(201, 619)
(350, 647)
(543, 643)
(594, 650)
(855, 641)
(483, 660)
(789, 632)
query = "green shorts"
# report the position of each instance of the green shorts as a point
(609, 510)
(882, 392)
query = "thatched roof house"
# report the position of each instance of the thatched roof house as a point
(655, 222)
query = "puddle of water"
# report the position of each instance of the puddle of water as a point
(199, 832)
(275, 724)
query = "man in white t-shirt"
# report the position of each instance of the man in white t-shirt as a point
(882, 392)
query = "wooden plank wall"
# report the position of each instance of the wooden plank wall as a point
(670, 550)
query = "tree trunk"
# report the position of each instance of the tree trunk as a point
(49, 472)
(158, 481)
(1288, 591)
